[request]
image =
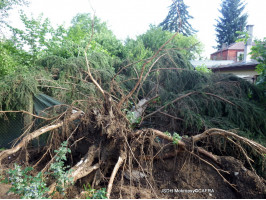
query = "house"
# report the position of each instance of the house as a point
(234, 52)
(245, 70)
(234, 59)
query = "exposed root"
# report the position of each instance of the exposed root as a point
(104, 134)
(83, 167)
(215, 131)
(121, 159)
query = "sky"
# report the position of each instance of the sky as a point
(129, 18)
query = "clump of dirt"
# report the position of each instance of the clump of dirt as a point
(186, 177)
(4, 188)
(250, 185)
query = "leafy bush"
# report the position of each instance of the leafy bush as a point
(93, 193)
(203, 68)
(59, 171)
(26, 185)
(258, 53)
(35, 187)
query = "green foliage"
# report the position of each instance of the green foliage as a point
(25, 185)
(206, 105)
(17, 89)
(232, 20)
(7, 63)
(242, 36)
(203, 68)
(174, 55)
(155, 37)
(11, 58)
(177, 19)
(93, 193)
(34, 36)
(59, 171)
(258, 53)
(35, 187)
(148, 43)
(73, 41)
(130, 116)
(176, 138)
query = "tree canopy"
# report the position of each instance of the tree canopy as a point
(177, 19)
(258, 52)
(232, 20)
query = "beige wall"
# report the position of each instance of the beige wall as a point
(239, 72)
(246, 74)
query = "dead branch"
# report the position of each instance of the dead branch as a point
(142, 71)
(91, 77)
(86, 58)
(145, 77)
(36, 134)
(177, 99)
(208, 154)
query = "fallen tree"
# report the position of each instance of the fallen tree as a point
(107, 151)
(113, 145)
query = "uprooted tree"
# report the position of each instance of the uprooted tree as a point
(152, 125)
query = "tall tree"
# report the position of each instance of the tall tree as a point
(177, 19)
(232, 20)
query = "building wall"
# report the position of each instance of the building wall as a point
(222, 55)
(248, 74)
(230, 54)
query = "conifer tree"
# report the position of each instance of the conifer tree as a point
(232, 20)
(177, 19)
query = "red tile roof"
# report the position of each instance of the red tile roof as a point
(234, 46)
(237, 46)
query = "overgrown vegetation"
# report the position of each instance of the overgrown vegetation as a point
(258, 53)
(192, 115)
(35, 187)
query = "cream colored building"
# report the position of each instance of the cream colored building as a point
(245, 70)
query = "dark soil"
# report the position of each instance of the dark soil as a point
(188, 178)
(181, 177)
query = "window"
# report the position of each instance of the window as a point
(240, 56)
